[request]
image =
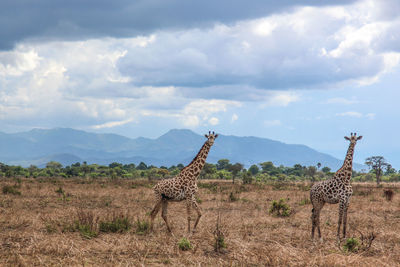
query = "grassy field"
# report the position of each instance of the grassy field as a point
(69, 222)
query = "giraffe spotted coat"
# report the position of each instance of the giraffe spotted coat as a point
(183, 186)
(334, 190)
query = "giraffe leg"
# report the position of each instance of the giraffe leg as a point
(341, 209)
(198, 210)
(155, 211)
(164, 213)
(316, 211)
(318, 223)
(345, 219)
(313, 222)
(189, 211)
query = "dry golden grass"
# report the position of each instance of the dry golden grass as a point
(34, 226)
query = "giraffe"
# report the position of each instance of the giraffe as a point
(335, 190)
(183, 186)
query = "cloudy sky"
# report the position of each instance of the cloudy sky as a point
(305, 73)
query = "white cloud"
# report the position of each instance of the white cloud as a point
(234, 118)
(193, 75)
(280, 98)
(199, 111)
(213, 121)
(341, 100)
(354, 114)
(112, 124)
(191, 121)
(370, 116)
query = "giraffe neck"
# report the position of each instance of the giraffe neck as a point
(192, 171)
(345, 172)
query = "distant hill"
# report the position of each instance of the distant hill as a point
(68, 146)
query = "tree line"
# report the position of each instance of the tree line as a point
(379, 171)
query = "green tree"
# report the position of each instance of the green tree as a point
(268, 167)
(180, 166)
(377, 164)
(208, 171)
(297, 170)
(254, 170)
(326, 170)
(32, 169)
(223, 164)
(115, 165)
(162, 172)
(311, 171)
(235, 169)
(54, 165)
(142, 166)
(390, 170)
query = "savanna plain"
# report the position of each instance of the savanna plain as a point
(104, 222)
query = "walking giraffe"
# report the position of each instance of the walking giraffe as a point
(183, 186)
(335, 190)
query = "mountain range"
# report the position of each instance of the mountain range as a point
(67, 146)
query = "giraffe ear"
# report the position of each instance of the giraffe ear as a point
(347, 138)
(216, 135)
(206, 136)
(360, 137)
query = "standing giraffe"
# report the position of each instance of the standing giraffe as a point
(183, 186)
(335, 190)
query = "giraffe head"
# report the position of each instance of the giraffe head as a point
(211, 136)
(353, 138)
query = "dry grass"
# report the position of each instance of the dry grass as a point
(37, 227)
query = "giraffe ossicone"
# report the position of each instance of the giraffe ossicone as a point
(335, 190)
(183, 186)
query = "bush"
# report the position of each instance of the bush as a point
(388, 194)
(213, 187)
(184, 244)
(86, 224)
(280, 208)
(219, 236)
(233, 197)
(247, 178)
(142, 227)
(60, 191)
(8, 189)
(351, 245)
(118, 224)
(305, 201)
(86, 230)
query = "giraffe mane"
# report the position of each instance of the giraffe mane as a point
(195, 158)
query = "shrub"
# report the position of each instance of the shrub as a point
(142, 227)
(280, 208)
(213, 187)
(233, 197)
(198, 200)
(279, 186)
(86, 224)
(351, 245)
(8, 189)
(60, 191)
(247, 178)
(86, 230)
(305, 201)
(219, 237)
(118, 224)
(184, 244)
(388, 194)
